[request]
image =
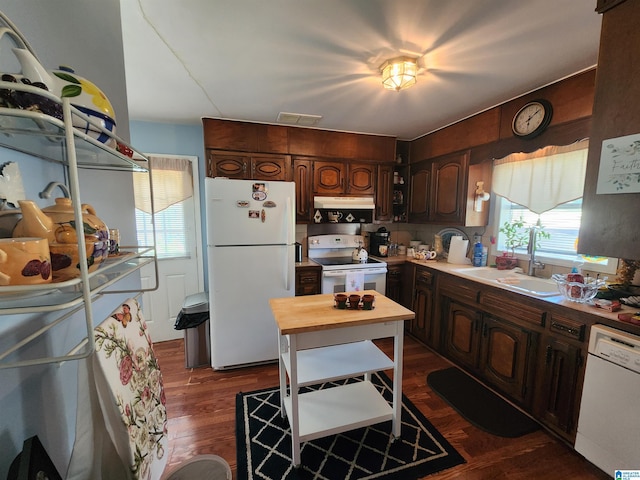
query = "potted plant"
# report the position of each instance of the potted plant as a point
(517, 234)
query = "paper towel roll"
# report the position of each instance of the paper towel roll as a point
(458, 250)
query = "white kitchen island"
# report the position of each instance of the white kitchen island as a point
(320, 343)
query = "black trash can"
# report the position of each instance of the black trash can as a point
(194, 320)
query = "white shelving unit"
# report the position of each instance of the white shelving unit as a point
(328, 353)
(54, 140)
(338, 361)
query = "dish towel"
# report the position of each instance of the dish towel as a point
(121, 426)
(354, 281)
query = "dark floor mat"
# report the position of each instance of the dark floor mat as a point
(479, 405)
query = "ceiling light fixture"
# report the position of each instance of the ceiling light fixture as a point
(399, 73)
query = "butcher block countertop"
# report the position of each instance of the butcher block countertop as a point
(311, 313)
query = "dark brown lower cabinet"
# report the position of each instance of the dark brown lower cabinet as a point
(500, 352)
(400, 284)
(426, 325)
(559, 371)
(531, 351)
(462, 333)
(394, 282)
(308, 280)
(507, 357)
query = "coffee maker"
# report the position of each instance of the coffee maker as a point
(379, 239)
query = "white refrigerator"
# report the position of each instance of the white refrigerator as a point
(251, 258)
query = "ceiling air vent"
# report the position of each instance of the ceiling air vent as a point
(299, 119)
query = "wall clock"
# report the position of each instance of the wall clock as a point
(532, 119)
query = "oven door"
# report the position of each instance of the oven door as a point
(334, 281)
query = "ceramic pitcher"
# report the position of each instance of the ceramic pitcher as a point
(57, 224)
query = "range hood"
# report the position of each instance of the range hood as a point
(344, 203)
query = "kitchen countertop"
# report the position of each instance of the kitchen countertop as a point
(310, 313)
(607, 318)
(307, 262)
(395, 260)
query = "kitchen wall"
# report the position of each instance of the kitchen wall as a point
(175, 139)
(85, 36)
(172, 139)
(41, 400)
(488, 136)
(152, 137)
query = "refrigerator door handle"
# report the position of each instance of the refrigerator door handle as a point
(289, 232)
(287, 279)
(286, 222)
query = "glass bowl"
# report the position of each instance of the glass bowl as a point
(574, 290)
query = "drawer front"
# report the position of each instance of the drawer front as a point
(567, 327)
(424, 278)
(459, 289)
(501, 303)
(310, 277)
(312, 289)
(394, 271)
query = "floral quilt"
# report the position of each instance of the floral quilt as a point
(125, 353)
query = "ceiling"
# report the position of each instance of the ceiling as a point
(252, 59)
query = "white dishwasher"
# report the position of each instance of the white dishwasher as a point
(609, 423)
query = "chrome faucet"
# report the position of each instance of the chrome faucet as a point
(46, 193)
(531, 250)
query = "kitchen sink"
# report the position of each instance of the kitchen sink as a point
(488, 273)
(511, 279)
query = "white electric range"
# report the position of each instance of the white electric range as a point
(340, 273)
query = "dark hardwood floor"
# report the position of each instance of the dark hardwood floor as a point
(201, 411)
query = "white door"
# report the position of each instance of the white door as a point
(180, 260)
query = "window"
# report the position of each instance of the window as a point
(563, 225)
(172, 179)
(546, 185)
(171, 241)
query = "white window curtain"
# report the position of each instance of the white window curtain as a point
(172, 183)
(544, 179)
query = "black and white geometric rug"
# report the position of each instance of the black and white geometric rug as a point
(264, 443)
